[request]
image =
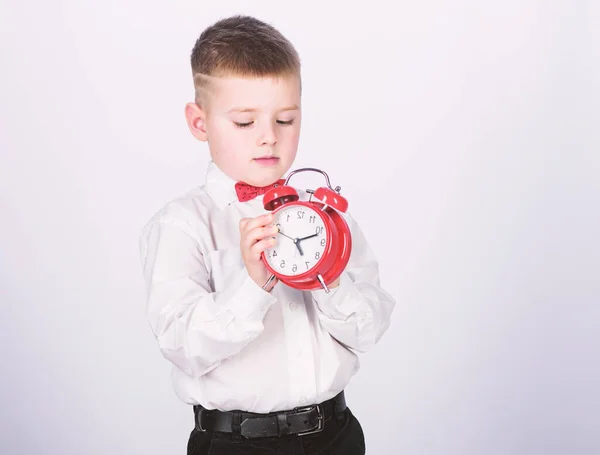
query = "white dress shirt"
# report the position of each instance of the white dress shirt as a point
(234, 345)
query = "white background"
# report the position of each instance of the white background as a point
(465, 136)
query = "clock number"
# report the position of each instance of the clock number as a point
(312, 218)
(282, 265)
(317, 255)
(274, 253)
(307, 264)
(294, 268)
(319, 230)
(322, 242)
(288, 217)
(300, 214)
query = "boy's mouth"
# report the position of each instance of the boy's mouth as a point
(267, 160)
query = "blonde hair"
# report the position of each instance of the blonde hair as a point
(241, 46)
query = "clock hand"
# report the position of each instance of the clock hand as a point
(296, 241)
(308, 237)
(293, 240)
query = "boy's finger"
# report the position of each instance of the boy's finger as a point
(250, 237)
(261, 246)
(243, 223)
(259, 221)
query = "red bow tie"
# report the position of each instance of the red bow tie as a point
(246, 192)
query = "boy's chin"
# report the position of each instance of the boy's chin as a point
(267, 168)
(264, 178)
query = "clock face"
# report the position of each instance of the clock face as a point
(301, 240)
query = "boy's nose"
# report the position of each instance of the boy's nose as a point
(267, 137)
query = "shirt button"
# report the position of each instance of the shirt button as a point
(303, 400)
(293, 306)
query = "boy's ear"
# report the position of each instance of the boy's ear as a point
(195, 117)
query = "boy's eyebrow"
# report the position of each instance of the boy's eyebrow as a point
(250, 109)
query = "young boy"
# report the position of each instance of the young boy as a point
(265, 369)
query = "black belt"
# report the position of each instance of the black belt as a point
(298, 421)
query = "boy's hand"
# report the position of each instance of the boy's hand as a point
(256, 234)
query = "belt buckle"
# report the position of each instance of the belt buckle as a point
(199, 421)
(320, 419)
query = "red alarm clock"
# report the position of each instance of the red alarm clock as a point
(313, 242)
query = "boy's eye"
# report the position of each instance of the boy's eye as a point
(286, 122)
(248, 124)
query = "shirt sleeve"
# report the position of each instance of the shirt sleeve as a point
(358, 311)
(196, 328)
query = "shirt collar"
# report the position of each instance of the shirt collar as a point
(219, 186)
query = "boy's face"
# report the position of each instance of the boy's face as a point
(252, 126)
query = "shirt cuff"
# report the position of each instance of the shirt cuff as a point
(248, 300)
(331, 302)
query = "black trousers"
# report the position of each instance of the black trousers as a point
(339, 437)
